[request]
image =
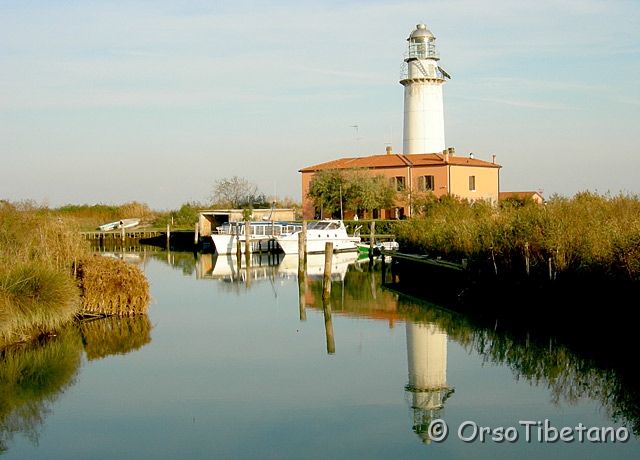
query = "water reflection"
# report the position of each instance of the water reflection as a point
(427, 387)
(33, 375)
(432, 337)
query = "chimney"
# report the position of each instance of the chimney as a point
(494, 159)
(445, 152)
(452, 151)
(388, 150)
(471, 155)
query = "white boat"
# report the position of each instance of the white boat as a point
(318, 234)
(128, 223)
(109, 226)
(123, 223)
(226, 236)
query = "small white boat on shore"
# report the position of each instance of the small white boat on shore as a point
(318, 234)
(226, 236)
(123, 223)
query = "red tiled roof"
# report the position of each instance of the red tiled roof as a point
(398, 160)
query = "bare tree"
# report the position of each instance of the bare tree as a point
(235, 192)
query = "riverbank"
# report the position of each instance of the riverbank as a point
(46, 279)
(587, 235)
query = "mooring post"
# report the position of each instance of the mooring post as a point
(326, 281)
(328, 326)
(122, 232)
(302, 295)
(247, 235)
(372, 234)
(168, 235)
(196, 233)
(302, 246)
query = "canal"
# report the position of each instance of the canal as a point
(233, 363)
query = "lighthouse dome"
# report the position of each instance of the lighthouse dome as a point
(421, 32)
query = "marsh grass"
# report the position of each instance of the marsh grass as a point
(35, 301)
(112, 287)
(587, 234)
(38, 294)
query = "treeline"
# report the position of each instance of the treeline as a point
(589, 234)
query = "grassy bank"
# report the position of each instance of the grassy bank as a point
(589, 234)
(40, 256)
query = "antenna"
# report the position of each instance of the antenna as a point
(357, 139)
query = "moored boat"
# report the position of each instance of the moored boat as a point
(226, 236)
(318, 234)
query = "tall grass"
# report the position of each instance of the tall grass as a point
(112, 287)
(89, 217)
(38, 294)
(35, 301)
(586, 234)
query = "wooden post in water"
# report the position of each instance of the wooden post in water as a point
(168, 236)
(196, 233)
(328, 326)
(247, 237)
(122, 233)
(384, 270)
(302, 294)
(302, 246)
(326, 280)
(372, 234)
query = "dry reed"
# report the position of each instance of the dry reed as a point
(112, 287)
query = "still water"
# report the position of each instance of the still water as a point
(235, 365)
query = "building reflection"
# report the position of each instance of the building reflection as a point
(427, 389)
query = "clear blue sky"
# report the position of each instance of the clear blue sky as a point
(153, 101)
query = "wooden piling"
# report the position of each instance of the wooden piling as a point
(302, 295)
(196, 233)
(372, 234)
(326, 280)
(168, 236)
(247, 237)
(302, 244)
(328, 326)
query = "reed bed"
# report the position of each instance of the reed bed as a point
(112, 287)
(588, 234)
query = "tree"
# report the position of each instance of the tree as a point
(237, 192)
(355, 189)
(325, 190)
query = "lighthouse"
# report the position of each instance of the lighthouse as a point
(422, 79)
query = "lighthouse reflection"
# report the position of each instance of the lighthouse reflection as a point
(427, 390)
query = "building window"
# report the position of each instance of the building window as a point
(426, 183)
(398, 182)
(472, 183)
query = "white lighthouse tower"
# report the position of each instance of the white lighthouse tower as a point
(422, 79)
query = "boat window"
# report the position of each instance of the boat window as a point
(320, 225)
(333, 226)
